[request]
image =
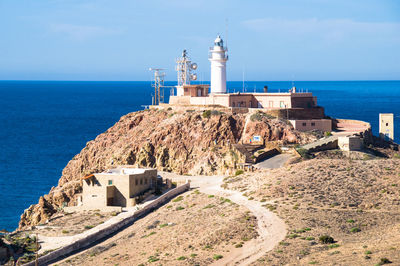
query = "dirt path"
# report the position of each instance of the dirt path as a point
(271, 229)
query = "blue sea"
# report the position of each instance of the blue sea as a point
(43, 124)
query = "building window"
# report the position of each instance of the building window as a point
(94, 196)
(312, 124)
(250, 104)
(141, 181)
(136, 182)
(387, 124)
(271, 104)
(233, 104)
(145, 181)
(304, 124)
(282, 104)
(110, 182)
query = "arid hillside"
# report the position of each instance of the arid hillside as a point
(184, 142)
(355, 202)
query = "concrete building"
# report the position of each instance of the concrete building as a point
(324, 125)
(350, 143)
(386, 126)
(300, 107)
(117, 187)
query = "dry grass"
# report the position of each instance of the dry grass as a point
(357, 202)
(196, 230)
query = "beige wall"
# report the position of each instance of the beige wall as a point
(312, 124)
(386, 129)
(119, 187)
(251, 100)
(350, 143)
(273, 100)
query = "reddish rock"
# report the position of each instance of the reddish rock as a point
(182, 142)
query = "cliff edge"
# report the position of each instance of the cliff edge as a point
(184, 142)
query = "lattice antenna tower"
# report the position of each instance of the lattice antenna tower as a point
(158, 84)
(184, 68)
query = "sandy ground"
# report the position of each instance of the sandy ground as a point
(208, 225)
(357, 202)
(271, 229)
(194, 228)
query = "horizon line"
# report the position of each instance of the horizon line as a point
(293, 81)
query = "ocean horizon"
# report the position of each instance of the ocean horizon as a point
(45, 123)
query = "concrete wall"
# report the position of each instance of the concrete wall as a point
(352, 143)
(386, 127)
(312, 124)
(181, 100)
(298, 113)
(118, 187)
(104, 230)
(251, 100)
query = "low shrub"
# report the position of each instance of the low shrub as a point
(181, 258)
(239, 172)
(207, 114)
(355, 230)
(384, 261)
(217, 257)
(177, 199)
(325, 239)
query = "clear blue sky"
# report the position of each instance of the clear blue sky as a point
(268, 39)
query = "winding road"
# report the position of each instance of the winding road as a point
(271, 229)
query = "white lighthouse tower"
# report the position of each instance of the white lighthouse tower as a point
(218, 58)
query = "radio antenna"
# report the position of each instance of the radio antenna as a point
(226, 33)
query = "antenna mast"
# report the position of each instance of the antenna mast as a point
(158, 84)
(184, 67)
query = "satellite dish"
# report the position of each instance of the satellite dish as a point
(193, 66)
(193, 77)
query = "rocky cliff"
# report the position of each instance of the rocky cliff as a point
(185, 142)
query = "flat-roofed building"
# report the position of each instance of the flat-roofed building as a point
(324, 125)
(386, 127)
(117, 187)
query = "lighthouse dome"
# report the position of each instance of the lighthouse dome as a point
(218, 41)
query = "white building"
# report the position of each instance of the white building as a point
(218, 58)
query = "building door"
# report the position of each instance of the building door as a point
(271, 104)
(110, 201)
(198, 92)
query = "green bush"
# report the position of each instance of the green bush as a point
(384, 261)
(355, 230)
(325, 239)
(328, 134)
(181, 258)
(207, 114)
(177, 199)
(239, 172)
(217, 257)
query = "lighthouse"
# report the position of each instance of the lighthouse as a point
(218, 57)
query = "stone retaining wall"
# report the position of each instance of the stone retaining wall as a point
(98, 234)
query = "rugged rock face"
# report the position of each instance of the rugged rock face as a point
(185, 142)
